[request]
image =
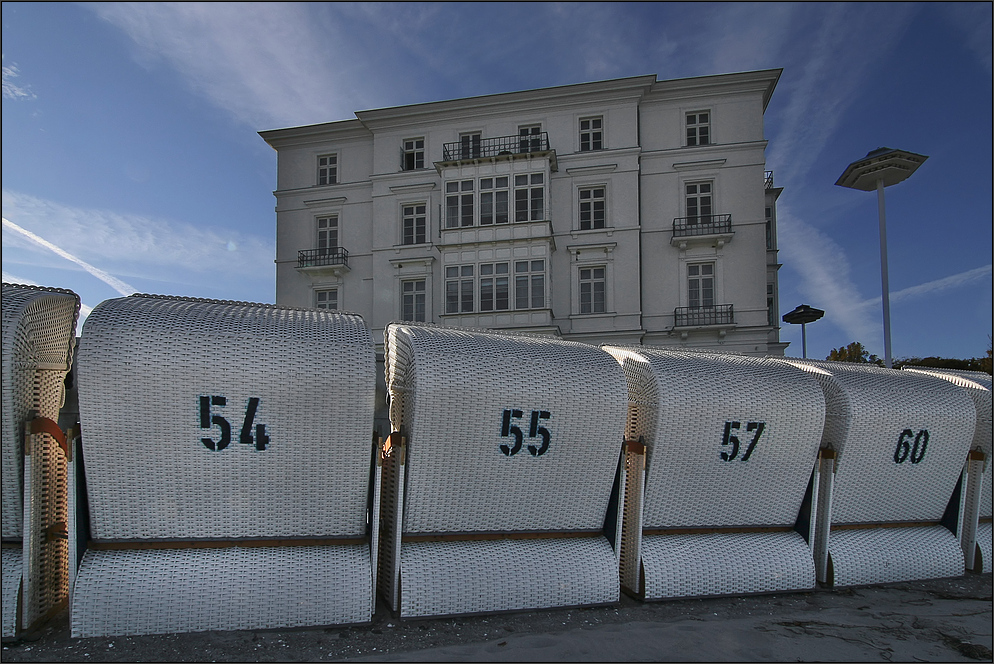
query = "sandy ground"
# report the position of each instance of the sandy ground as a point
(940, 620)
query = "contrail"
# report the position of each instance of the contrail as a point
(113, 282)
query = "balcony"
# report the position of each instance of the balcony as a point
(719, 314)
(472, 148)
(333, 260)
(768, 176)
(709, 228)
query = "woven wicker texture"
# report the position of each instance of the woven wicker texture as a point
(10, 585)
(873, 417)
(725, 563)
(885, 555)
(39, 326)
(978, 385)
(154, 370)
(444, 578)
(692, 407)
(984, 539)
(455, 392)
(191, 590)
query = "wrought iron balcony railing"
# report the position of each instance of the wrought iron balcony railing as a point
(707, 224)
(719, 314)
(322, 257)
(491, 147)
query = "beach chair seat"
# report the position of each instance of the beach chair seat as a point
(39, 334)
(499, 473)
(973, 522)
(227, 453)
(897, 444)
(720, 452)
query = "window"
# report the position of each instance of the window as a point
(459, 203)
(327, 235)
(591, 208)
(529, 138)
(328, 169)
(769, 228)
(414, 154)
(698, 203)
(700, 285)
(529, 284)
(326, 299)
(529, 197)
(459, 289)
(494, 291)
(493, 201)
(698, 128)
(415, 226)
(591, 134)
(470, 145)
(413, 304)
(592, 290)
(771, 312)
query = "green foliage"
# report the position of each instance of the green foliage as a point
(854, 352)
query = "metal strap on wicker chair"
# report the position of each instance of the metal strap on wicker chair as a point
(498, 479)
(227, 458)
(718, 480)
(39, 333)
(974, 523)
(898, 441)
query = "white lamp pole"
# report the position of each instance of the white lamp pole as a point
(881, 168)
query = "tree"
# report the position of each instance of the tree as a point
(854, 352)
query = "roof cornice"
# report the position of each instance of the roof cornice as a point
(764, 80)
(343, 129)
(563, 95)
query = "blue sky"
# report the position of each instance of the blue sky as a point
(131, 160)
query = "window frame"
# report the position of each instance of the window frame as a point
(699, 277)
(460, 284)
(534, 282)
(333, 226)
(410, 149)
(470, 144)
(699, 216)
(592, 279)
(590, 224)
(326, 292)
(410, 221)
(414, 294)
(530, 137)
(527, 205)
(693, 129)
(591, 139)
(328, 169)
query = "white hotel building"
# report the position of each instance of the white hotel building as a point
(627, 211)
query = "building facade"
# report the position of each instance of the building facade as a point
(627, 211)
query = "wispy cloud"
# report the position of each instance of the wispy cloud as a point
(825, 274)
(842, 42)
(110, 280)
(266, 63)
(137, 247)
(960, 280)
(973, 20)
(10, 89)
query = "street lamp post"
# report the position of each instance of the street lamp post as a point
(881, 168)
(803, 314)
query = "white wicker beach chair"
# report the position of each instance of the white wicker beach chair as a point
(228, 455)
(973, 524)
(39, 333)
(898, 441)
(716, 485)
(498, 497)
